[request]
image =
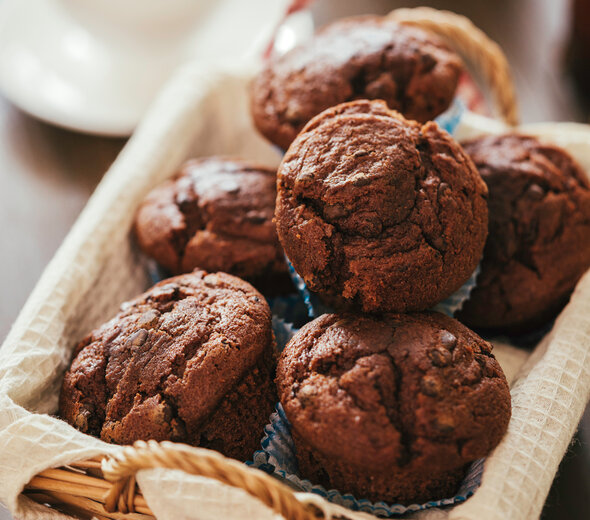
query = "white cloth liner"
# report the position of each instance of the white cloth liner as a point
(203, 113)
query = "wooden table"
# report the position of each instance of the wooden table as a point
(47, 174)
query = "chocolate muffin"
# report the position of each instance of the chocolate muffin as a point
(356, 58)
(216, 214)
(539, 232)
(378, 212)
(190, 360)
(391, 408)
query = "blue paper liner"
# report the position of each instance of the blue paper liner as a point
(283, 332)
(290, 308)
(155, 272)
(315, 307)
(277, 457)
(450, 118)
(455, 301)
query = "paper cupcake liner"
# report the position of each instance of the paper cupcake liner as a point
(449, 120)
(289, 308)
(277, 457)
(455, 301)
(283, 331)
(154, 271)
(315, 307)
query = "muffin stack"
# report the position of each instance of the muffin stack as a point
(381, 216)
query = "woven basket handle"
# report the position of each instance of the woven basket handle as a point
(121, 468)
(483, 54)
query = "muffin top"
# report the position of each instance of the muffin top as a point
(417, 391)
(539, 231)
(356, 58)
(159, 368)
(378, 212)
(215, 214)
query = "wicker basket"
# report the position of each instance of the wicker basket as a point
(97, 267)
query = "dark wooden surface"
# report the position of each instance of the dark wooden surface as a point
(47, 174)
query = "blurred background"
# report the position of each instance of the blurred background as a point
(47, 173)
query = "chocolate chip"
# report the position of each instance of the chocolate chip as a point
(430, 385)
(361, 152)
(360, 179)
(165, 292)
(138, 338)
(448, 340)
(440, 357)
(334, 211)
(535, 192)
(444, 423)
(305, 394)
(149, 319)
(81, 421)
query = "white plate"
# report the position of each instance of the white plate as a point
(95, 66)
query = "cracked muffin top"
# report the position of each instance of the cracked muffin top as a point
(419, 392)
(356, 58)
(378, 212)
(161, 367)
(539, 232)
(216, 214)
